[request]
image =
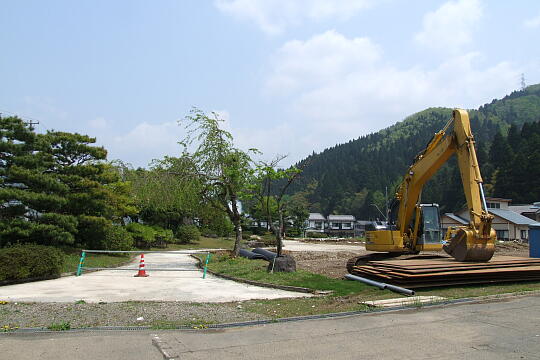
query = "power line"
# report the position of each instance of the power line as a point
(29, 121)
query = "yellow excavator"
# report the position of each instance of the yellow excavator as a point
(414, 227)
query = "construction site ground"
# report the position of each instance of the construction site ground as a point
(330, 260)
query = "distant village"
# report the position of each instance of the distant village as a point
(511, 222)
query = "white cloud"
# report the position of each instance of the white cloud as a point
(532, 23)
(146, 142)
(450, 27)
(324, 57)
(274, 16)
(98, 123)
(343, 87)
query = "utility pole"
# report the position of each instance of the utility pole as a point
(31, 124)
(386, 202)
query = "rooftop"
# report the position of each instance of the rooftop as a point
(316, 216)
(511, 216)
(457, 218)
(342, 217)
(498, 199)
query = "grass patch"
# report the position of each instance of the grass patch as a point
(73, 256)
(202, 243)
(256, 270)
(283, 308)
(169, 325)
(63, 326)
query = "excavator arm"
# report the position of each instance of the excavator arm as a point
(474, 242)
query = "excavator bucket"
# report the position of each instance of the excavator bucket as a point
(465, 246)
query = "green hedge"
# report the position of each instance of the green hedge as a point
(30, 261)
(146, 236)
(316, 235)
(187, 234)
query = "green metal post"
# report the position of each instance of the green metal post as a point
(81, 263)
(206, 264)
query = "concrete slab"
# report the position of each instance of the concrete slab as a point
(404, 301)
(121, 285)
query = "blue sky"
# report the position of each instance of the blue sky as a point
(288, 76)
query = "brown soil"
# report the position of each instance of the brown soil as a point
(511, 248)
(331, 264)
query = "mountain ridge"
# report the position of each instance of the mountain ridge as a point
(349, 177)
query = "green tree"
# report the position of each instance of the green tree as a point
(269, 185)
(31, 197)
(222, 169)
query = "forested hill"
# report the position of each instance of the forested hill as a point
(348, 178)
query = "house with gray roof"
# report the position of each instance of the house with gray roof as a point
(333, 225)
(341, 225)
(450, 219)
(316, 222)
(531, 211)
(508, 224)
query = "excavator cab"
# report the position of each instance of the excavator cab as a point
(430, 231)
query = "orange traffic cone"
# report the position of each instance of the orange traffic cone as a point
(142, 271)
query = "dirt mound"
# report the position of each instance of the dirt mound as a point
(331, 264)
(512, 248)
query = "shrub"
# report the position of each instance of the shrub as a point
(117, 238)
(143, 235)
(316, 235)
(292, 232)
(187, 234)
(91, 232)
(30, 261)
(97, 233)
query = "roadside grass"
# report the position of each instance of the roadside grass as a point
(197, 324)
(73, 256)
(202, 243)
(291, 307)
(256, 270)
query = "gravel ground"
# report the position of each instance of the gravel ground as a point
(159, 314)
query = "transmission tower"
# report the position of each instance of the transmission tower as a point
(523, 85)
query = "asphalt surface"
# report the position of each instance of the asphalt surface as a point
(508, 329)
(121, 285)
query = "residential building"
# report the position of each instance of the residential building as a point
(316, 222)
(333, 225)
(450, 219)
(340, 225)
(508, 224)
(531, 211)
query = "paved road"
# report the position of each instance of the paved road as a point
(507, 329)
(119, 285)
(293, 245)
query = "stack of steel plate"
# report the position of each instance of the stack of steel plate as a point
(419, 271)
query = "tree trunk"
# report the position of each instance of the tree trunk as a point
(238, 239)
(279, 234)
(237, 222)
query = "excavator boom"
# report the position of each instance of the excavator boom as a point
(474, 242)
